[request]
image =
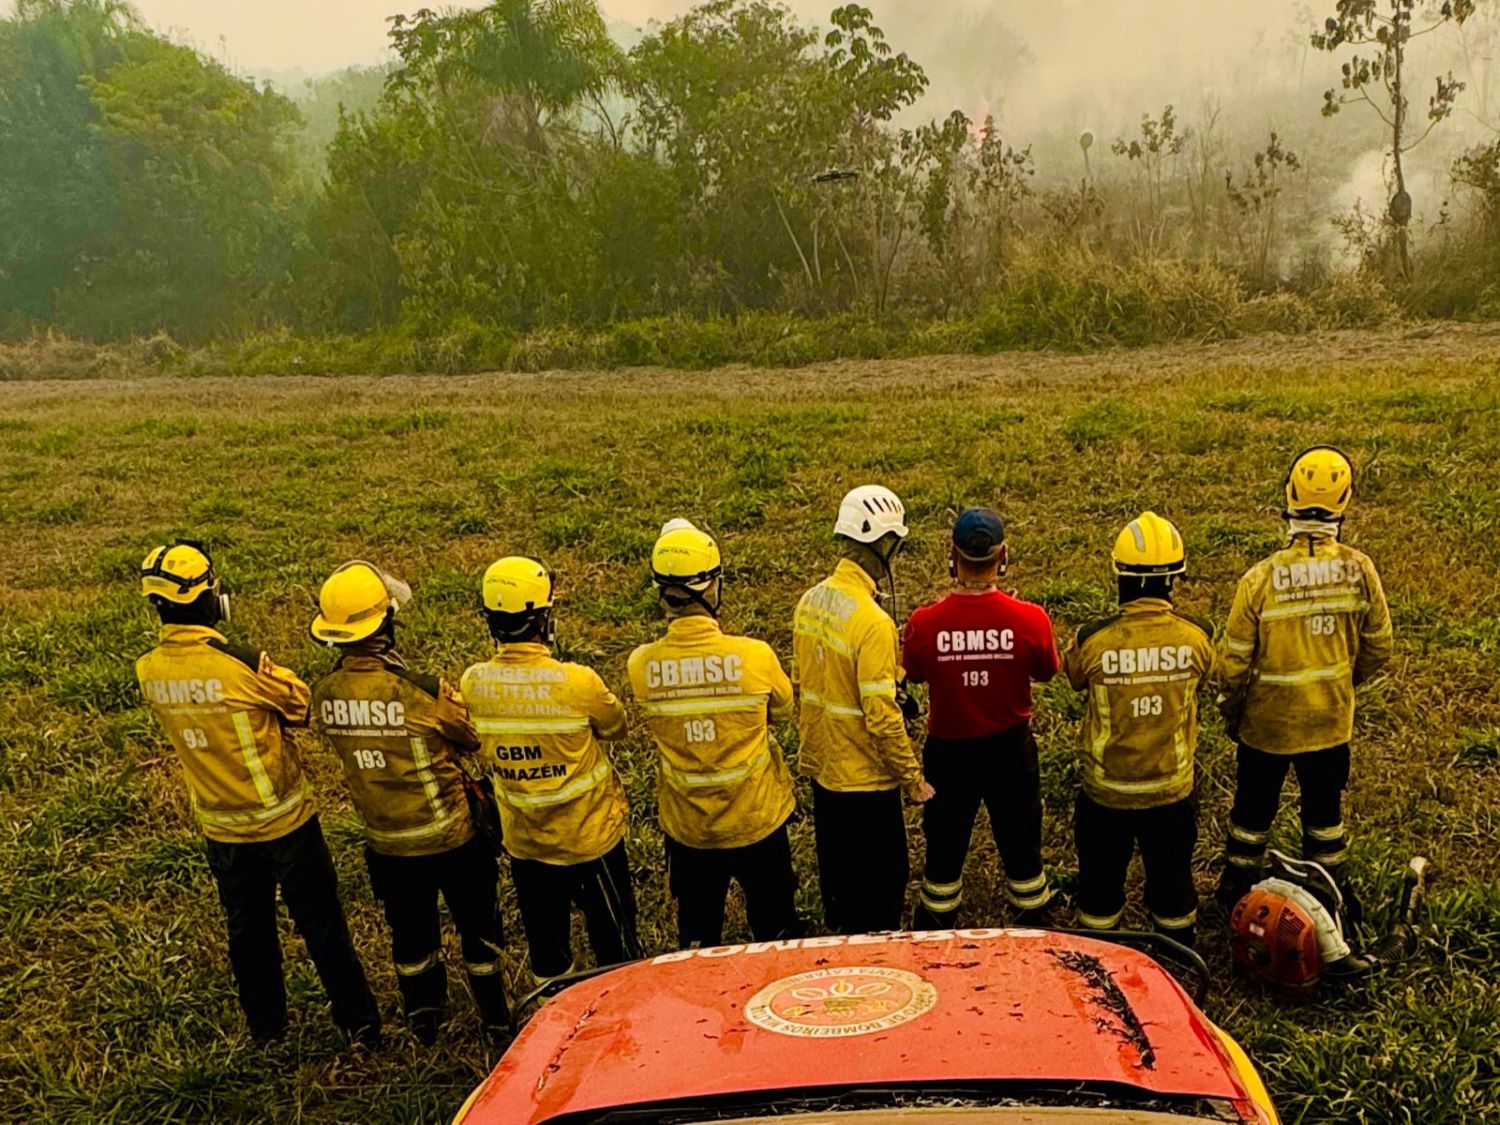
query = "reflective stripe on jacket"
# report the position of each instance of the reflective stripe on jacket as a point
(844, 659)
(222, 707)
(1307, 625)
(539, 722)
(398, 735)
(1142, 669)
(709, 699)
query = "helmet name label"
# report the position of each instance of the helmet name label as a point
(183, 691)
(1131, 661)
(691, 671)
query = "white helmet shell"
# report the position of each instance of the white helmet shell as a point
(871, 512)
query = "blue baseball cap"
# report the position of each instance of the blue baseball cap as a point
(978, 534)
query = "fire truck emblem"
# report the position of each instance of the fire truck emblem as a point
(838, 1002)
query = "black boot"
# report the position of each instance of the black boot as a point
(489, 998)
(1234, 882)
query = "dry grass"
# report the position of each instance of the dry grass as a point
(115, 999)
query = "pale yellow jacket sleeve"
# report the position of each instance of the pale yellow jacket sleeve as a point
(783, 703)
(877, 671)
(606, 712)
(1376, 638)
(279, 689)
(1241, 638)
(1072, 665)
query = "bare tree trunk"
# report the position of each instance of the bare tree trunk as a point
(1401, 201)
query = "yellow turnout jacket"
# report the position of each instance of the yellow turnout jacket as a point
(1307, 625)
(844, 658)
(398, 735)
(709, 701)
(1142, 669)
(539, 722)
(222, 706)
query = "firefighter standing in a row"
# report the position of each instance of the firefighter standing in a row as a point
(724, 789)
(223, 707)
(1308, 625)
(398, 735)
(980, 649)
(562, 808)
(1142, 668)
(853, 730)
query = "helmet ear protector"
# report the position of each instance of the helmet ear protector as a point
(209, 580)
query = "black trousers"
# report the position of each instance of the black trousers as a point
(699, 880)
(547, 893)
(248, 876)
(1107, 838)
(1001, 772)
(860, 838)
(408, 887)
(1322, 777)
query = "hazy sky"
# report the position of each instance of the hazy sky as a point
(320, 35)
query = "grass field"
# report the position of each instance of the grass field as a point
(115, 997)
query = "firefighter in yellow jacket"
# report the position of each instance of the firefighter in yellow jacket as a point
(724, 790)
(399, 735)
(1142, 669)
(224, 708)
(1307, 626)
(562, 807)
(853, 730)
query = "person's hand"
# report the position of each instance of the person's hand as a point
(911, 710)
(923, 793)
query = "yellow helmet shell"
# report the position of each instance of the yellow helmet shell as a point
(685, 556)
(517, 585)
(179, 573)
(1149, 545)
(352, 604)
(1322, 480)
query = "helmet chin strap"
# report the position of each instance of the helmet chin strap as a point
(711, 609)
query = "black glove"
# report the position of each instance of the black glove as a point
(910, 708)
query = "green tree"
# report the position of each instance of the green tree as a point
(203, 166)
(748, 109)
(471, 190)
(1381, 31)
(56, 192)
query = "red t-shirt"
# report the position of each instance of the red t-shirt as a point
(980, 653)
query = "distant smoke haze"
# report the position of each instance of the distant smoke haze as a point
(1046, 70)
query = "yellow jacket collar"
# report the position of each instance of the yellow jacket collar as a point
(369, 661)
(693, 628)
(189, 634)
(850, 573)
(521, 652)
(1147, 605)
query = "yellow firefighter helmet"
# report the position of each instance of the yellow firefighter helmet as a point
(1148, 546)
(180, 573)
(1320, 482)
(685, 556)
(517, 586)
(354, 602)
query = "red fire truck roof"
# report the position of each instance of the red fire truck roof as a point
(887, 1010)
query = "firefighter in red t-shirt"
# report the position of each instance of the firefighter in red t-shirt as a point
(981, 649)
